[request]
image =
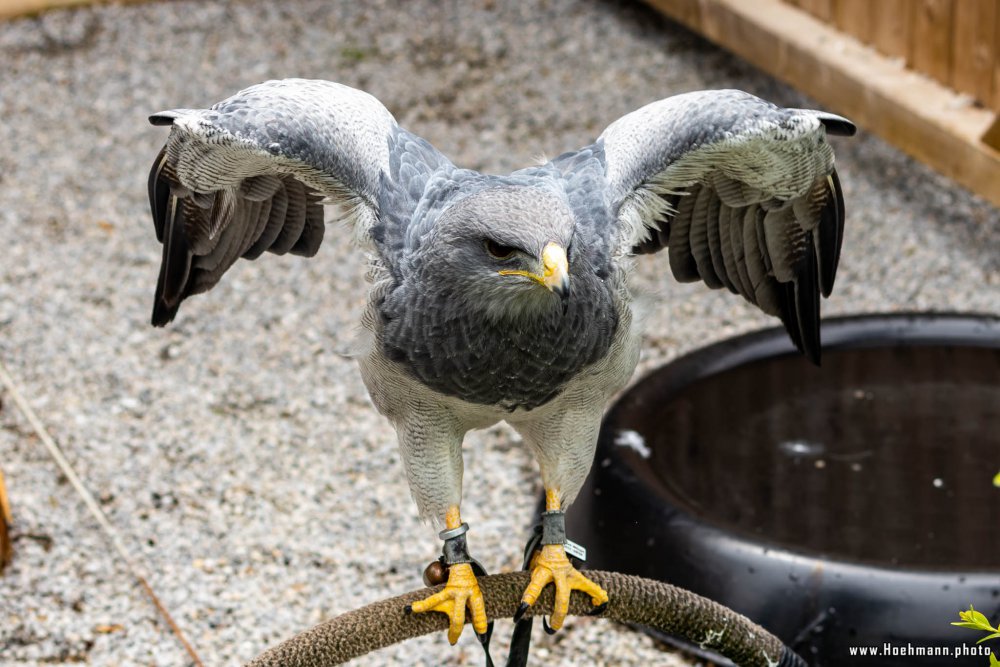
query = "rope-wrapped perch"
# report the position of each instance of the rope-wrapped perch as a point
(654, 604)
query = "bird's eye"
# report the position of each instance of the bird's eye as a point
(497, 250)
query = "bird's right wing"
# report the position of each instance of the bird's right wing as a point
(252, 173)
(742, 193)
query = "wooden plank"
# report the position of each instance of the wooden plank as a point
(821, 9)
(855, 18)
(996, 62)
(992, 136)
(14, 8)
(892, 27)
(974, 48)
(922, 117)
(932, 32)
(688, 13)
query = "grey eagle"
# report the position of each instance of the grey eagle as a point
(504, 297)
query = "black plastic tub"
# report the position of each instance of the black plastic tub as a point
(843, 507)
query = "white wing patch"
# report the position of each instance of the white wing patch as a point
(208, 158)
(744, 169)
(765, 159)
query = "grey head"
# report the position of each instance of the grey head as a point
(497, 304)
(507, 248)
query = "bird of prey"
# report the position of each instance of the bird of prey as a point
(504, 297)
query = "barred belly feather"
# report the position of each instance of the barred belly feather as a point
(517, 363)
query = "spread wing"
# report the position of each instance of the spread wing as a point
(743, 195)
(252, 173)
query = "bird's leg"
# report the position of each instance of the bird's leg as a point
(551, 565)
(462, 588)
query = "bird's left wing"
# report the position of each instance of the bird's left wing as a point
(742, 193)
(251, 174)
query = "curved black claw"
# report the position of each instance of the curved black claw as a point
(547, 627)
(521, 610)
(484, 639)
(598, 610)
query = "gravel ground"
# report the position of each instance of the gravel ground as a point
(236, 451)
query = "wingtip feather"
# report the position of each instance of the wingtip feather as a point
(837, 125)
(163, 314)
(163, 118)
(807, 291)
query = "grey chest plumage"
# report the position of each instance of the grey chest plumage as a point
(517, 363)
(453, 341)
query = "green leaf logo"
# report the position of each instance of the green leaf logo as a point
(975, 620)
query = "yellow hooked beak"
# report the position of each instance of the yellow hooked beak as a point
(555, 270)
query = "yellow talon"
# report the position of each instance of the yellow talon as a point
(551, 565)
(462, 589)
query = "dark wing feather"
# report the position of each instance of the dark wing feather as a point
(683, 265)
(274, 224)
(745, 217)
(278, 225)
(758, 207)
(701, 247)
(715, 245)
(782, 266)
(250, 175)
(831, 233)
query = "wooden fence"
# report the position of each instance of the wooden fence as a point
(956, 42)
(893, 66)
